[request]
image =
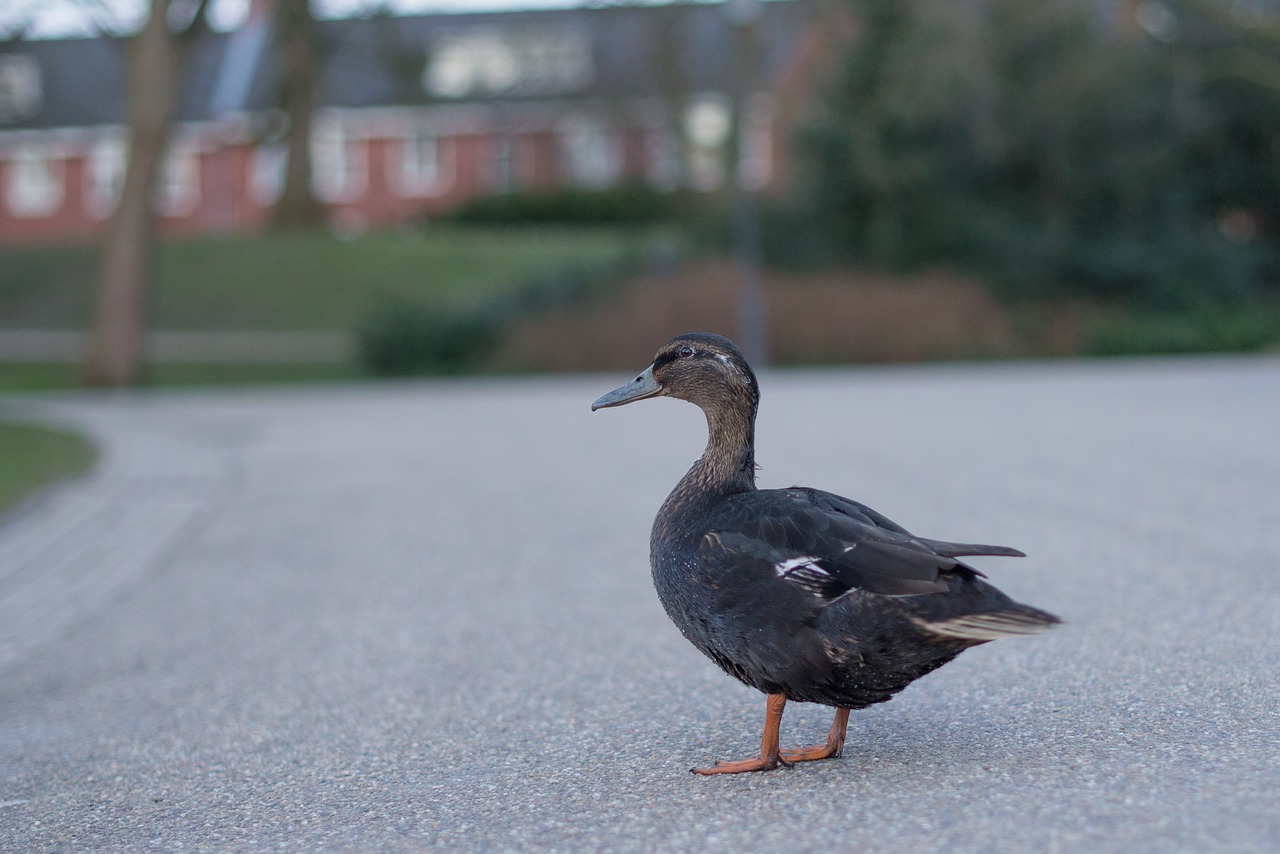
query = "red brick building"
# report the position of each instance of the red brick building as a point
(417, 114)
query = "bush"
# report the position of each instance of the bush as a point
(403, 338)
(633, 204)
(1207, 329)
(790, 236)
(1162, 270)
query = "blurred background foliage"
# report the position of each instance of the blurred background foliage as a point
(631, 204)
(1109, 171)
(971, 179)
(407, 336)
(1052, 150)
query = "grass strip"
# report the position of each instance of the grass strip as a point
(33, 456)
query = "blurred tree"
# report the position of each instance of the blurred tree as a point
(1040, 144)
(157, 57)
(1243, 38)
(295, 26)
(1235, 49)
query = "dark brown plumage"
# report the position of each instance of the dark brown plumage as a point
(800, 593)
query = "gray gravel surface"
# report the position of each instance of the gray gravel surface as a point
(418, 616)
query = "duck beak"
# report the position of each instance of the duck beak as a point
(638, 389)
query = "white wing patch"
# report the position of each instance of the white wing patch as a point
(805, 573)
(792, 564)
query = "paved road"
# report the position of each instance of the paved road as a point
(418, 615)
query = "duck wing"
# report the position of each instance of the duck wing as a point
(828, 545)
(856, 510)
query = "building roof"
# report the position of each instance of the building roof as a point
(81, 82)
(600, 53)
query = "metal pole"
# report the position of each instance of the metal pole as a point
(744, 209)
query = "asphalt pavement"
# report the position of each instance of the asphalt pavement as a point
(418, 616)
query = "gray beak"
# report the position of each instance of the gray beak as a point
(638, 389)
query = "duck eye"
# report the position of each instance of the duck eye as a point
(686, 352)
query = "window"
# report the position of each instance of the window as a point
(106, 164)
(21, 94)
(502, 164)
(662, 158)
(707, 126)
(755, 169)
(591, 154)
(479, 63)
(178, 191)
(266, 179)
(338, 161)
(36, 181)
(496, 61)
(419, 167)
(554, 59)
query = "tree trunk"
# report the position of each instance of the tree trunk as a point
(298, 206)
(155, 63)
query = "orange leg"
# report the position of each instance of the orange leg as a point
(770, 757)
(833, 747)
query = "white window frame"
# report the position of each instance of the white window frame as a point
(21, 90)
(340, 162)
(592, 152)
(266, 173)
(541, 60)
(755, 169)
(418, 169)
(35, 180)
(105, 165)
(708, 121)
(178, 187)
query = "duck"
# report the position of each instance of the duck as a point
(802, 594)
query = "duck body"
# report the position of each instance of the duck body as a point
(802, 594)
(764, 596)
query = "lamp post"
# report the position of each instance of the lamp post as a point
(742, 17)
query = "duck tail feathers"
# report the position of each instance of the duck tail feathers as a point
(947, 549)
(993, 625)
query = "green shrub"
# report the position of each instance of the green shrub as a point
(1206, 329)
(403, 338)
(1161, 270)
(630, 204)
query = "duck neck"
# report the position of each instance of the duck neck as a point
(728, 465)
(729, 462)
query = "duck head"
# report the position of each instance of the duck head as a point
(704, 369)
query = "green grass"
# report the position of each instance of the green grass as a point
(32, 457)
(293, 282)
(44, 376)
(306, 280)
(23, 376)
